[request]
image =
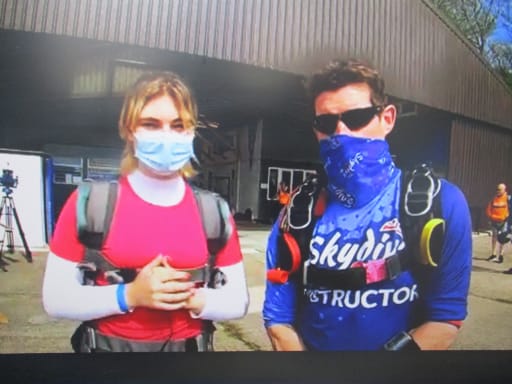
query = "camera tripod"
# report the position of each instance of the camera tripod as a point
(8, 211)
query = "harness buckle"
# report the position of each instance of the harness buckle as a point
(379, 270)
(218, 278)
(305, 273)
(393, 267)
(420, 193)
(114, 276)
(277, 276)
(304, 191)
(91, 338)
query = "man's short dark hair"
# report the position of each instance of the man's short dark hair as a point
(340, 73)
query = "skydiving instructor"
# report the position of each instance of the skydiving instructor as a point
(419, 309)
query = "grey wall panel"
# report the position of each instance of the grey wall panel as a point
(422, 58)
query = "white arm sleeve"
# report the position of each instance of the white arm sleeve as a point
(229, 301)
(64, 295)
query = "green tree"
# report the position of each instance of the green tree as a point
(477, 21)
(501, 49)
(501, 58)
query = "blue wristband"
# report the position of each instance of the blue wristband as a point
(121, 299)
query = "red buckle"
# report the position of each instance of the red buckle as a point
(375, 270)
(277, 276)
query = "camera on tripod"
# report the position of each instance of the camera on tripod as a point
(8, 181)
(8, 215)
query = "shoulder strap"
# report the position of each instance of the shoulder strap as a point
(96, 202)
(420, 213)
(95, 207)
(214, 211)
(296, 223)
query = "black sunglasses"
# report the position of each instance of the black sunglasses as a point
(354, 119)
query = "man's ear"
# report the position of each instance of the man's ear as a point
(388, 118)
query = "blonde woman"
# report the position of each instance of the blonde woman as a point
(156, 231)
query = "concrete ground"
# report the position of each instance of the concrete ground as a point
(25, 328)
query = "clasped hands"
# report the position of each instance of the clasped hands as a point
(160, 286)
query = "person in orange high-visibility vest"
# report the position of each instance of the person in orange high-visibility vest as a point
(498, 212)
(283, 194)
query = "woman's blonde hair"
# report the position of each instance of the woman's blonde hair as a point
(146, 88)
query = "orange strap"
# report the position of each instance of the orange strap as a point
(280, 276)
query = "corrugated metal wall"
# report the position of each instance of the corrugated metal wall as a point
(480, 158)
(422, 59)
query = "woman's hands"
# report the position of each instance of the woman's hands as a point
(160, 286)
(196, 302)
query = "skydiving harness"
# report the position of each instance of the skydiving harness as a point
(420, 221)
(95, 207)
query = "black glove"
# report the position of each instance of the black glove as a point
(401, 342)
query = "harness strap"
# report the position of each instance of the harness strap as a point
(296, 223)
(359, 275)
(95, 208)
(422, 228)
(91, 340)
(214, 212)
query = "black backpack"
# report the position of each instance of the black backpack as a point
(96, 202)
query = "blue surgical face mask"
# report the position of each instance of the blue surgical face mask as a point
(163, 151)
(357, 168)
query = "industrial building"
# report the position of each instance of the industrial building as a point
(65, 65)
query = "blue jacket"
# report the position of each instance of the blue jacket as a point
(365, 319)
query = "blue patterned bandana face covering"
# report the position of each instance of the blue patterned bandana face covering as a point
(357, 168)
(163, 151)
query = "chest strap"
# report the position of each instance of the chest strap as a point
(358, 276)
(92, 273)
